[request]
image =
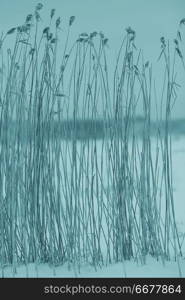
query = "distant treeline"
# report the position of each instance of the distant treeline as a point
(86, 129)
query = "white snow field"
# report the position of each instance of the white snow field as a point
(149, 266)
(152, 268)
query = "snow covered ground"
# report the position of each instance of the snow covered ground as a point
(152, 267)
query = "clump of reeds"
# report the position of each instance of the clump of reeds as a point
(89, 201)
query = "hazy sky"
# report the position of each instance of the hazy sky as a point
(150, 18)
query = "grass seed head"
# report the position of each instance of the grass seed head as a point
(52, 13)
(12, 30)
(46, 30)
(105, 41)
(71, 20)
(49, 36)
(39, 6)
(179, 36)
(58, 21)
(93, 34)
(163, 43)
(129, 30)
(53, 41)
(147, 64)
(80, 40)
(182, 22)
(37, 16)
(24, 28)
(29, 18)
(84, 34)
(176, 42)
(179, 52)
(102, 35)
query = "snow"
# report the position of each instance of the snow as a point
(152, 268)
